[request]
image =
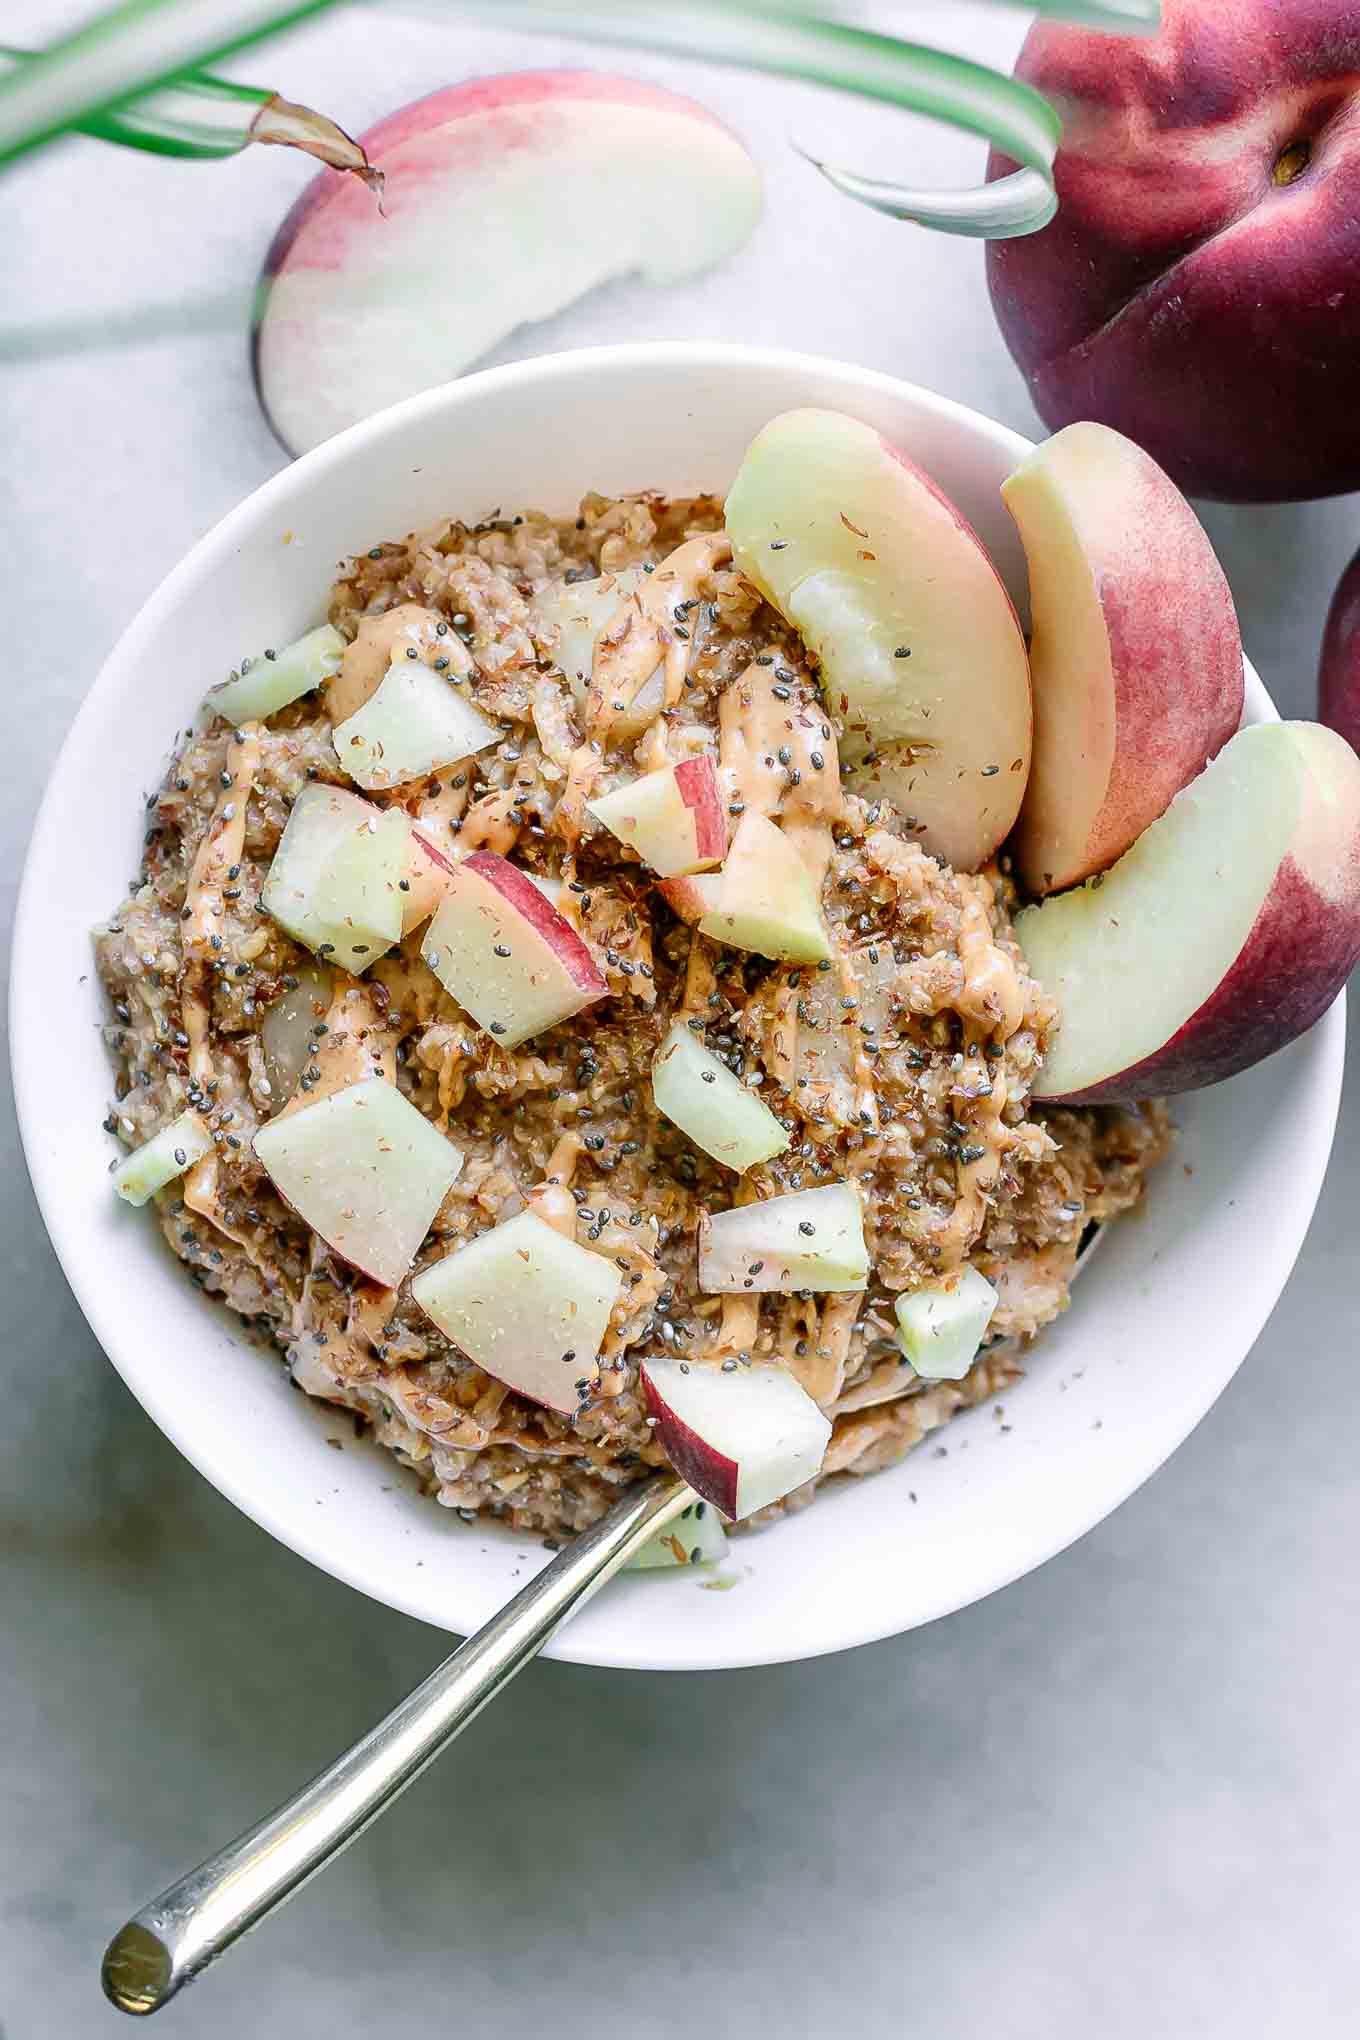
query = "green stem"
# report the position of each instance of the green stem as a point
(203, 117)
(133, 48)
(207, 118)
(791, 44)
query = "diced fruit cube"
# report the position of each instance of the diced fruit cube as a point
(741, 1440)
(809, 1239)
(415, 724)
(530, 1306)
(767, 897)
(506, 954)
(942, 1326)
(336, 876)
(704, 1099)
(288, 1028)
(694, 897)
(268, 683)
(696, 1537)
(159, 1160)
(364, 1169)
(673, 818)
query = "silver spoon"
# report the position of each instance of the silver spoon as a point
(174, 1938)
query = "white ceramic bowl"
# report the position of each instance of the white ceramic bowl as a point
(1168, 1311)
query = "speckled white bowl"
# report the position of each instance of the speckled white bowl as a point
(1167, 1313)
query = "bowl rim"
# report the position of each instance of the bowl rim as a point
(845, 1626)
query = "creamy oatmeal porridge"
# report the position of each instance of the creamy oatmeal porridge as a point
(881, 1048)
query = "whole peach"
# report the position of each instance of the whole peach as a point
(1199, 289)
(1339, 673)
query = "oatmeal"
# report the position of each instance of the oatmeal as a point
(900, 1061)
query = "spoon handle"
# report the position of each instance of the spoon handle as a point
(175, 1937)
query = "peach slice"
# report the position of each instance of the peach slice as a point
(1226, 930)
(920, 650)
(1135, 653)
(506, 199)
(500, 948)
(741, 1440)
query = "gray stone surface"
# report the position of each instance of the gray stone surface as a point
(1120, 1797)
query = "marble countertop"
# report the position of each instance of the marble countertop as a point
(1122, 1795)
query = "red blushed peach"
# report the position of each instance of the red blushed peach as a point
(1223, 934)
(889, 587)
(505, 199)
(1135, 654)
(1339, 674)
(1197, 289)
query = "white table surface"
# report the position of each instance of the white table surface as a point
(1121, 1797)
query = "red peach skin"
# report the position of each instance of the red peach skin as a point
(1339, 675)
(696, 781)
(1136, 655)
(691, 898)
(1197, 289)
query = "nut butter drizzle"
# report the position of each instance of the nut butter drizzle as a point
(409, 630)
(993, 1004)
(223, 846)
(779, 758)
